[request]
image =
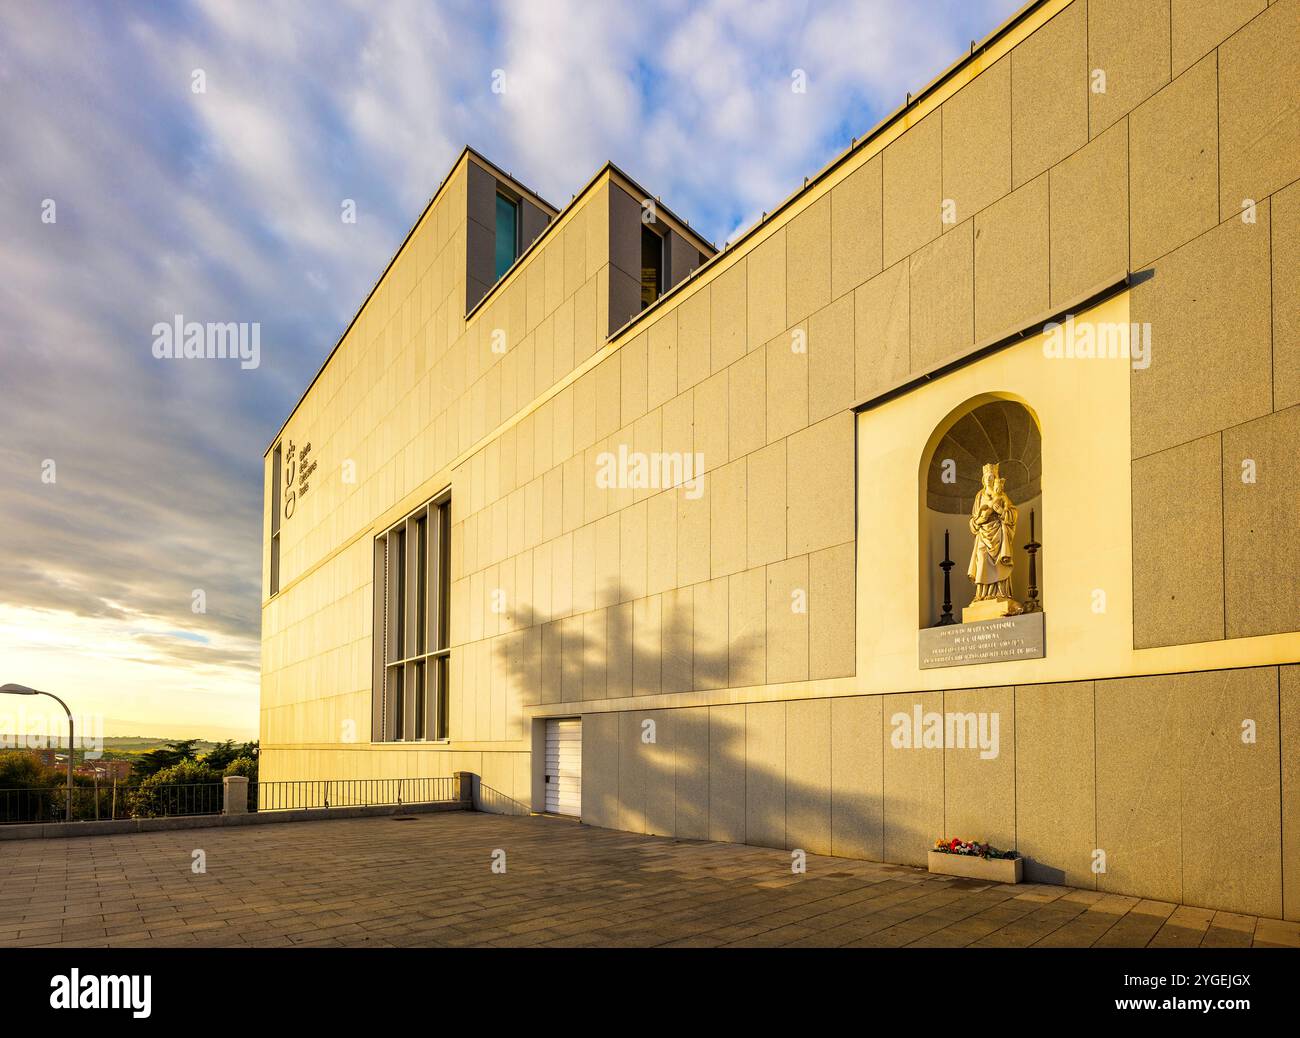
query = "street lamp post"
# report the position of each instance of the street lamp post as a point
(23, 690)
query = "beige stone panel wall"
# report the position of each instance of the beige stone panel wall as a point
(662, 360)
(1056, 782)
(765, 774)
(832, 627)
(505, 783)
(678, 640)
(977, 143)
(856, 228)
(1173, 150)
(1129, 41)
(766, 502)
(1139, 754)
(747, 628)
(1177, 499)
(766, 287)
(1289, 712)
(808, 775)
(727, 773)
(979, 782)
(857, 777)
(633, 768)
(882, 330)
(1196, 28)
(728, 316)
(606, 563)
(691, 774)
(495, 538)
(1188, 809)
(1231, 796)
(387, 371)
(714, 624)
(617, 655)
(600, 770)
(820, 481)
(1259, 118)
(807, 263)
(1285, 214)
(316, 653)
(1011, 261)
(913, 189)
(831, 348)
(1089, 215)
(787, 384)
(710, 613)
(1088, 636)
(1181, 806)
(1261, 523)
(1049, 94)
(941, 295)
(787, 620)
(727, 513)
(913, 788)
(659, 767)
(1214, 303)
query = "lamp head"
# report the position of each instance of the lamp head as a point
(19, 690)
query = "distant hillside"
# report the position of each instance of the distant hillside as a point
(121, 745)
(144, 743)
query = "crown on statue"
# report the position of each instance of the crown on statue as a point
(991, 470)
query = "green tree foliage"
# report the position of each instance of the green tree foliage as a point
(168, 756)
(223, 753)
(220, 755)
(185, 788)
(20, 770)
(28, 791)
(246, 766)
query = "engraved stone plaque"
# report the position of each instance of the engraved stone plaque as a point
(1020, 637)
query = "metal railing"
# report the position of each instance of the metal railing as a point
(495, 802)
(327, 793)
(45, 804)
(110, 801)
(181, 798)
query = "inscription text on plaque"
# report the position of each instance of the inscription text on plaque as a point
(1020, 637)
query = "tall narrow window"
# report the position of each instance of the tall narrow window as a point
(277, 461)
(507, 235)
(412, 644)
(652, 266)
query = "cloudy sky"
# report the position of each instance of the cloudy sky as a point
(127, 483)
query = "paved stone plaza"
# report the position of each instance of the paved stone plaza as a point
(428, 881)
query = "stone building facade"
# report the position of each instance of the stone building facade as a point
(705, 489)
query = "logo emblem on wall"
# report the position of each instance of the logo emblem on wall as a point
(290, 474)
(298, 469)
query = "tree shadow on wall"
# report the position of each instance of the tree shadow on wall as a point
(703, 776)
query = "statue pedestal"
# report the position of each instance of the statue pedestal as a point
(990, 609)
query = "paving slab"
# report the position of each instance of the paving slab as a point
(365, 882)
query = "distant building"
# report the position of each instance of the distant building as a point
(106, 770)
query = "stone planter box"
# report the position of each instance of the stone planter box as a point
(967, 866)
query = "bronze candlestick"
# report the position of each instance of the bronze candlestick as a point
(946, 565)
(1033, 605)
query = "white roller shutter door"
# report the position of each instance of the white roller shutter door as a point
(564, 766)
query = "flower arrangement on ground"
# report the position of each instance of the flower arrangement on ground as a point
(972, 849)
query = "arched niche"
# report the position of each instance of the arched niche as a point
(990, 428)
